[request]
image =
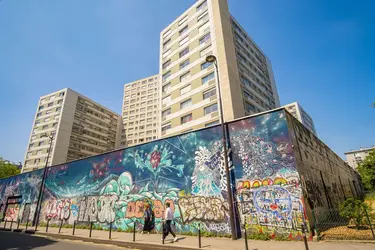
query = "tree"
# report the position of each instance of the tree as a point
(7, 169)
(367, 171)
(355, 210)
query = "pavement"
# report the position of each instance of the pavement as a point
(153, 241)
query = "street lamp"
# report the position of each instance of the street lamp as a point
(212, 59)
(38, 208)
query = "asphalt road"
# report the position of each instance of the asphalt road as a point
(16, 241)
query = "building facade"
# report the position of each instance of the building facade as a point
(140, 111)
(301, 115)
(189, 97)
(80, 128)
(355, 157)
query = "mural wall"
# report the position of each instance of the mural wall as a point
(22, 191)
(268, 185)
(186, 171)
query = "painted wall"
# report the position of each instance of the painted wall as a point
(185, 170)
(25, 185)
(268, 185)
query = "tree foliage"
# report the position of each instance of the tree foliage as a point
(355, 210)
(367, 171)
(7, 169)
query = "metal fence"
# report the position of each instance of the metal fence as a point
(329, 225)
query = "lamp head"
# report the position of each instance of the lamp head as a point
(211, 59)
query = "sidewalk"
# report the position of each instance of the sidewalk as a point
(153, 241)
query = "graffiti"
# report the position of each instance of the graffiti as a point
(315, 194)
(199, 208)
(12, 212)
(58, 209)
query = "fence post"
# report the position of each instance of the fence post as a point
(304, 236)
(27, 222)
(316, 229)
(18, 223)
(162, 232)
(90, 228)
(61, 222)
(199, 235)
(134, 232)
(369, 222)
(245, 234)
(11, 224)
(5, 223)
(74, 227)
(110, 230)
(47, 225)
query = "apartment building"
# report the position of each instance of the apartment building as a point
(80, 128)
(355, 157)
(140, 111)
(189, 97)
(301, 115)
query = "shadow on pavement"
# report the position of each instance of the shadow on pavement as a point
(18, 241)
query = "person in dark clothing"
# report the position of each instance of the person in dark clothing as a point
(149, 219)
(168, 220)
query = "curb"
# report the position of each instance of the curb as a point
(142, 246)
(350, 241)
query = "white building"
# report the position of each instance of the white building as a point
(80, 127)
(301, 115)
(355, 157)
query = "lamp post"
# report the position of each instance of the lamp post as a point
(212, 59)
(38, 208)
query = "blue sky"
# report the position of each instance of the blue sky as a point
(323, 56)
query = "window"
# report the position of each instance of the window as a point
(183, 20)
(54, 125)
(185, 77)
(41, 107)
(210, 109)
(185, 89)
(208, 78)
(31, 145)
(205, 38)
(166, 100)
(166, 75)
(209, 93)
(40, 144)
(186, 118)
(166, 112)
(37, 122)
(205, 65)
(48, 112)
(249, 108)
(166, 43)
(184, 52)
(50, 104)
(204, 28)
(184, 41)
(58, 109)
(211, 124)
(183, 30)
(167, 33)
(201, 6)
(202, 17)
(184, 64)
(39, 114)
(45, 127)
(248, 95)
(166, 64)
(166, 53)
(61, 94)
(59, 102)
(185, 104)
(205, 51)
(166, 127)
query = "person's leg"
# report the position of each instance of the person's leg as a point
(170, 230)
(166, 229)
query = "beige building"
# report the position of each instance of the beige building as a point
(189, 87)
(140, 111)
(301, 115)
(355, 157)
(80, 126)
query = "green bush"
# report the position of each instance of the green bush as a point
(258, 236)
(354, 210)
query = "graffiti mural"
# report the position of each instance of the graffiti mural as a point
(26, 187)
(268, 186)
(187, 171)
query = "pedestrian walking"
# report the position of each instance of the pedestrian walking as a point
(168, 220)
(148, 219)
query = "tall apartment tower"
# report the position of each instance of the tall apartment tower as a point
(140, 111)
(80, 126)
(189, 85)
(301, 115)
